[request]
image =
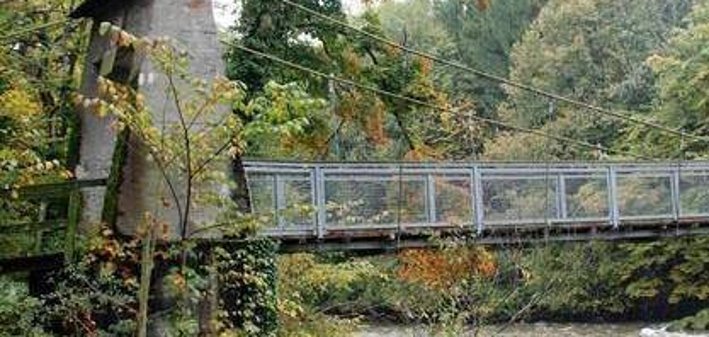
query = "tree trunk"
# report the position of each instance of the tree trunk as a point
(208, 304)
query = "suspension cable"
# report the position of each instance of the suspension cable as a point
(522, 86)
(563, 139)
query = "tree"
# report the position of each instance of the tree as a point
(36, 74)
(592, 51)
(682, 103)
(483, 34)
(37, 62)
(365, 125)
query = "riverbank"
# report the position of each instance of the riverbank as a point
(533, 330)
(459, 284)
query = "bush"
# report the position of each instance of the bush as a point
(19, 312)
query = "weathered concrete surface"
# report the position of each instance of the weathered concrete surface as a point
(98, 138)
(190, 23)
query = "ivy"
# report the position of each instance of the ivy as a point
(247, 278)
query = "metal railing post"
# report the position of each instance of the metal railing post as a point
(613, 209)
(72, 224)
(39, 234)
(430, 198)
(675, 193)
(279, 199)
(561, 208)
(478, 207)
(321, 212)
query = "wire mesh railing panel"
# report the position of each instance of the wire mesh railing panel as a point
(31, 239)
(453, 196)
(297, 209)
(32, 226)
(262, 189)
(332, 196)
(41, 219)
(371, 199)
(644, 195)
(694, 192)
(586, 197)
(519, 199)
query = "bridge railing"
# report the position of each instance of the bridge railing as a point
(42, 219)
(316, 200)
(319, 200)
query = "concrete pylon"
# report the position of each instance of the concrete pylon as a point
(142, 188)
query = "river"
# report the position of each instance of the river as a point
(534, 330)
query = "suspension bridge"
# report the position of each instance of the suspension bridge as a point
(350, 206)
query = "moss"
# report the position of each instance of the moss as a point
(113, 184)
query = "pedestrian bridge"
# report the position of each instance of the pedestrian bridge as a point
(370, 205)
(374, 206)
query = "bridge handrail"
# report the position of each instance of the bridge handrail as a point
(44, 193)
(316, 175)
(481, 163)
(56, 188)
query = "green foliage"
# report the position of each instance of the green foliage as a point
(414, 23)
(247, 278)
(362, 125)
(285, 120)
(552, 282)
(311, 289)
(671, 270)
(699, 322)
(35, 76)
(483, 38)
(681, 71)
(274, 26)
(90, 299)
(580, 49)
(19, 312)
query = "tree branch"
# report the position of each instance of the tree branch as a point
(188, 154)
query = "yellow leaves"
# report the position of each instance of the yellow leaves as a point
(444, 269)
(426, 65)
(374, 124)
(352, 64)
(421, 152)
(18, 104)
(177, 282)
(289, 308)
(116, 34)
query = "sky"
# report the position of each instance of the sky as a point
(224, 11)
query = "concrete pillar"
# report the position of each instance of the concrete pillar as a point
(190, 23)
(97, 138)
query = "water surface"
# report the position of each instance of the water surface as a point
(531, 330)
